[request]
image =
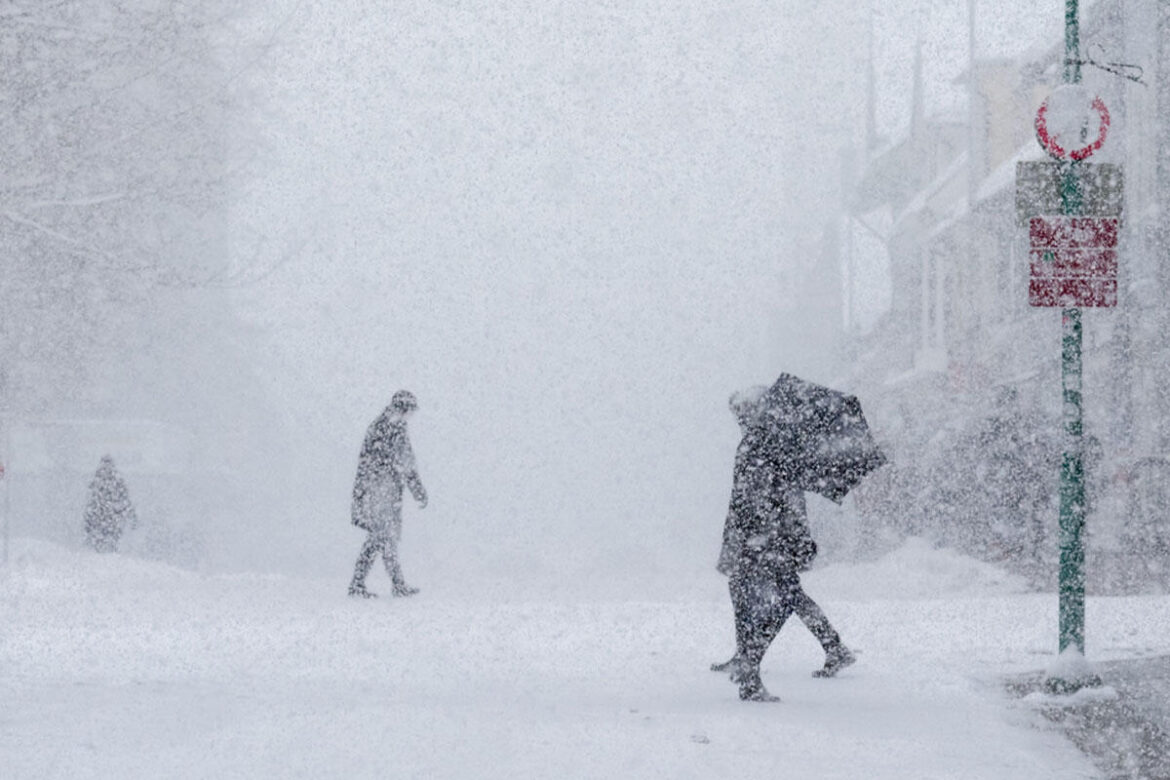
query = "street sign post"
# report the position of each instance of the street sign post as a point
(1072, 210)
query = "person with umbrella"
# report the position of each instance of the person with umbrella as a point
(797, 437)
(800, 546)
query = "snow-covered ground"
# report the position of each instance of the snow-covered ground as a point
(115, 667)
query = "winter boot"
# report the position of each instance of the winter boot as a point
(358, 590)
(836, 659)
(751, 687)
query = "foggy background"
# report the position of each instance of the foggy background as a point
(230, 230)
(572, 229)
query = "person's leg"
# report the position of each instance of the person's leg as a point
(743, 603)
(772, 605)
(835, 660)
(761, 609)
(369, 551)
(394, 569)
(837, 655)
(814, 619)
(392, 534)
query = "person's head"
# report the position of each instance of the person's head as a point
(745, 404)
(403, 403)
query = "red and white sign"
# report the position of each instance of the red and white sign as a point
(1064, 123)
(1073, 261)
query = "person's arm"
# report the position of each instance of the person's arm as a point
(416, 489)
(406, 466)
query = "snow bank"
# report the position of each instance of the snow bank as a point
(916, 570)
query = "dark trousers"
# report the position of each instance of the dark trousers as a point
(764, 597)
(377, 542)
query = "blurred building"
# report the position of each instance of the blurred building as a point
(958, 344)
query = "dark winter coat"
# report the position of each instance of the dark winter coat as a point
(767, 521)
(385, 465)
(109, 511)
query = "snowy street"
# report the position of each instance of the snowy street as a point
(551, 310)
(114, 667)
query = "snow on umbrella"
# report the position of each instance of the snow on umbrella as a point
(817, 437)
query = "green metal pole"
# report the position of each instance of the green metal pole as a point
(1072, 43)
(1072, 486)
(1072, 477)
(1072, 491)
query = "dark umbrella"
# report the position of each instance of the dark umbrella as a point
(816, 437)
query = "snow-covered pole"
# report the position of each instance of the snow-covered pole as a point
(1071, 672)
(1072, 486)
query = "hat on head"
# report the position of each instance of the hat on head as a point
(404, 401)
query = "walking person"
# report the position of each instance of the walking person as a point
(766, 544)
(385, 465)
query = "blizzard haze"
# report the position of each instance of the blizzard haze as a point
(572, 230)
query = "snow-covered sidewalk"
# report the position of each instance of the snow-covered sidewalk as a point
(115, 667)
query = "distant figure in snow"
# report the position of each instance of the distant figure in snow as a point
(386, 464)
(766, 544)
(108, 511)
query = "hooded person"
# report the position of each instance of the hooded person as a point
(108, 512)
(385, 466)
(766, 544)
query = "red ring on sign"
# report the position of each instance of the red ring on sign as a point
(1056, 150)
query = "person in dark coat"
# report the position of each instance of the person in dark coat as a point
(385, 466)
(108, 512)
(766, 544)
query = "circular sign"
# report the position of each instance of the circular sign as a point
(1067, 121)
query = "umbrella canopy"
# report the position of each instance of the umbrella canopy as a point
(816, 437)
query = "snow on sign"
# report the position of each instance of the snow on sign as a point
(1038, 189)
(1065, 123)
(1073, 261)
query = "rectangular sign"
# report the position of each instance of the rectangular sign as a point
(1073, 261)
(1073, 232)
(1072, 292)
(1038, 189)
(1092, 263)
